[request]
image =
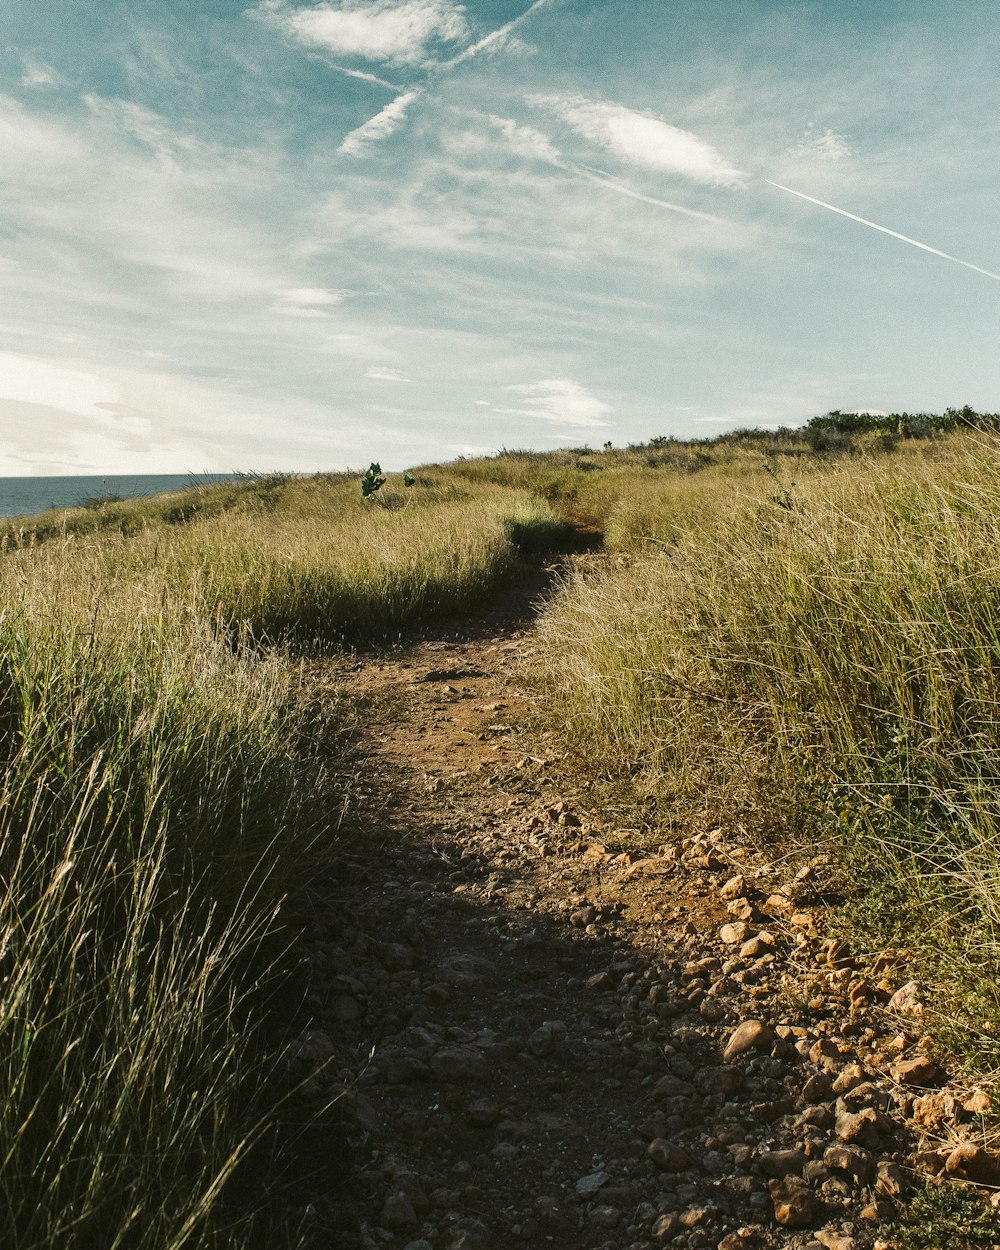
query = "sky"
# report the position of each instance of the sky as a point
(260, 234)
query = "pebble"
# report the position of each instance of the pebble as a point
(970, 1162)
(668, 1157)
(795, 1204)
(750, 1035)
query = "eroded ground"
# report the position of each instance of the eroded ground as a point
(561, 1033)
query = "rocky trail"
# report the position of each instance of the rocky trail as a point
(557, 1032)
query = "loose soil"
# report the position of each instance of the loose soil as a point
(558, 1032)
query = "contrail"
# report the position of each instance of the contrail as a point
(494, 36)
(604, 180)
(885, 230)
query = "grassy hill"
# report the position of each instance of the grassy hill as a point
(797, 631)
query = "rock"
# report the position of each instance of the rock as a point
(831, 1239)
(818, 1088)
(398, 1212)
(458, 1063)
(732, 933)
(481, 1113)
(583, 917)
(850, 1077)
(825, 1053)
(393, 956)
(741, 909)
(795, 1204)
(920, 1071)
(742, 1239)
(345, 1008)
(978, 1103)
(419, 1244)
(864, 1127)
(470, 1235)
(667, 1157)
(603, 1216)
(969, 1162)
(734, 887)
(856, 1162)
(756, 947)
(906, 1000)
(587, 1186)
(890, 1180)
(933, 1110)
(694, 1216)
(711, 1010)
(665, 1228)
(780, 1163)
(750, 1035)
(546, 1038)
(600, 982)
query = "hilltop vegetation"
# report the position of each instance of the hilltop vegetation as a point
(793, 631)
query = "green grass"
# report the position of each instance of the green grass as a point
(819, 659)
(155, 803)
(800, 631)
(944, 1216)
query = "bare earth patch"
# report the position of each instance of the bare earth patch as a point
(553, 1037)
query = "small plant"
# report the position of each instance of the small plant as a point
(372, 481)
(409, 480)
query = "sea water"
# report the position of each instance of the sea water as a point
(21, 496)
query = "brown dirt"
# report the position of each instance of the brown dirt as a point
(522, 997)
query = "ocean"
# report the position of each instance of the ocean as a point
(20, 496)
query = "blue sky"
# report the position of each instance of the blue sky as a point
(260, 235)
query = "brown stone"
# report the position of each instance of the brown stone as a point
(891, 1179)
(864, 1128)
(818, 1088)
(734, 887)
(398, 1212)
(969, 1162)
(856, 1162)
(919, 1071)
(794, 1203)
(780, 1163)
(730, 934)
(750, 1035)
(665, 1228)
(600, 982)
(668, 1157)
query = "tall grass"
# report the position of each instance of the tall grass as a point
(822, 660)
(145, 774)
(151, 807)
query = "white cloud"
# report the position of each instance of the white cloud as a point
(559, 400)
(381, 373)
(359, 142)
(308, 301)
(526, 141)
(36, 74)
(828, 146)
(392, 32)
(28, 380)
(642, 139)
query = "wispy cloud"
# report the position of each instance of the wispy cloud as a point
(558, 400)
(642, 139)
(825, 146)
(382, 373)
(360, 141)
(526, 141)
(36, 74)
(308, 301)
(389, 32)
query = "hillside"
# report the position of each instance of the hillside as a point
(606, 841)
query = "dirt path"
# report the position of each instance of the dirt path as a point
(551, 1043)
